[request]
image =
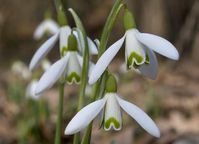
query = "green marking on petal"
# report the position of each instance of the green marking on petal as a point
(147, 61)
(134, 60)
(63, 51)
(113, 121)
(73, 77)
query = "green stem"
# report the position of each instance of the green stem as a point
(109, 26)
(61, 17)
(60, 114)
(82, 35)
(103, 44)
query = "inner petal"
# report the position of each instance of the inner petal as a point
(134, 60)
(73, 78)
(112, 119)
(73, 69)
(135, 53)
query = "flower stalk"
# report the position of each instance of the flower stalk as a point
(109, 25)
(84, 80)
(60, 114)
(62, 20)
(102, 47)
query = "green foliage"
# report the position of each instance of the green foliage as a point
(153, 104)
(16, 91)
(34, 114)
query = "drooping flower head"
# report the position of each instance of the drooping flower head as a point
(139, 52)
(68, 68)
(111, 106)
(62, 35)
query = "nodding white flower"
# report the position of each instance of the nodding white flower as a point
(48, 26)
(68, 68)
(62, 34)
(30, 90)
(139, 53)
(111, 106)
(19, 68)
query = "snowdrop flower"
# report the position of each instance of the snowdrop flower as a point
(68, 68)
(111, 105)
(19, 68)
(48, 26)
(139, 53)
(30, 90)
(62, 34)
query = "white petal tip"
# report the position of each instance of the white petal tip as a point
(68, 131)
(38, 91)
(91, 81)
(70, 9)
(177, 57)
(156, 133)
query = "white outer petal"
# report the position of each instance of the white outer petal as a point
(80, 41)
(30, 90)
(97, 42)
(52, 75)
(105, 60)
(140, 116)
(91, 64)
(159, 45)
(84, 117)
(43, 51)
(150, 70)
(46, 26)
(92, 47)
(65, 31)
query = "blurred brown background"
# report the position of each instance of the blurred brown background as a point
(176, 20)
(172, 100)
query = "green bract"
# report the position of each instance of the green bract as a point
(111, 84)
(129, 21)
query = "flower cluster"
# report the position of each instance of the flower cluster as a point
(68, 66)
(140, 56)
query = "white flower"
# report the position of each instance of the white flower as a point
(19, 68)
(62, 34)
(30, 90)
(139, 54)
(48, 26)
(68, 67)
(112, 105)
